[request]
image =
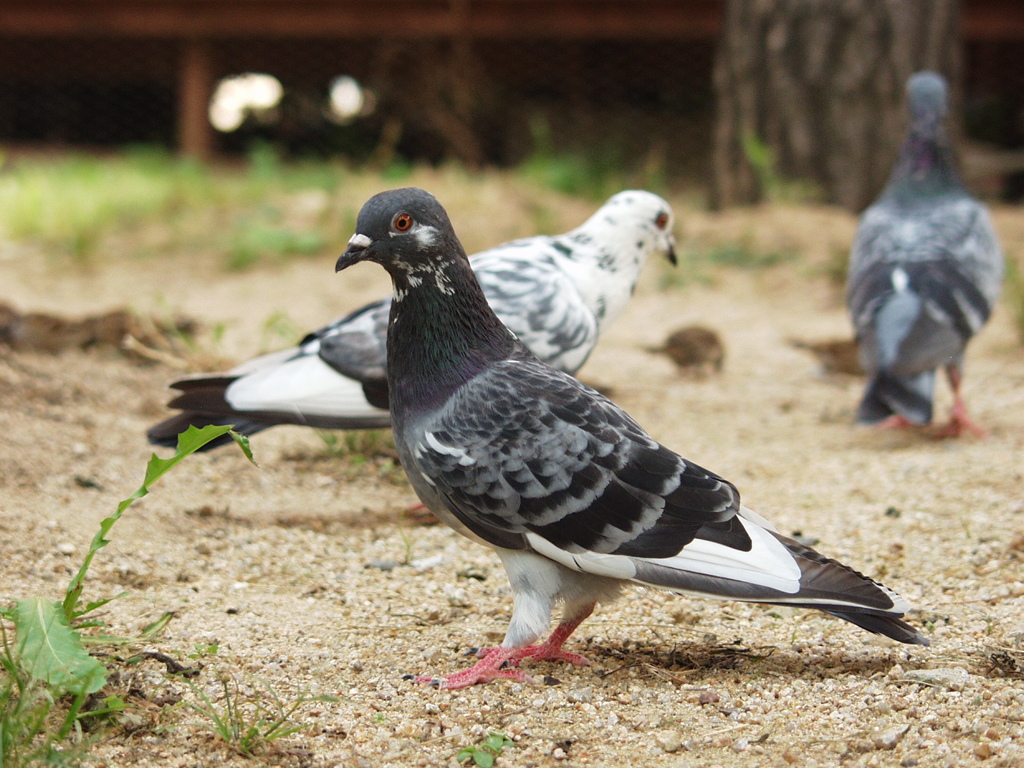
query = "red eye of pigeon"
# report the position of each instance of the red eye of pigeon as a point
(662, 221)
(402, 222)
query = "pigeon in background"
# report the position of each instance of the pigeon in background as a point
(572, 494)
(925, 272)
(558, 294)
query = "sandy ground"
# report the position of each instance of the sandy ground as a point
(311, 578)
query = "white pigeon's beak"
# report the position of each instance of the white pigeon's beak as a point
(672, 250)
(355, 253)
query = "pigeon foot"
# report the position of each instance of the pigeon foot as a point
(502, 663)
(490, 667)
(959, 422)
(543, 652)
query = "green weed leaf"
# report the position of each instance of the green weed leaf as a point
(479, 756)
(497, 741)
(485, 753)
(52, 651)
(158, 626)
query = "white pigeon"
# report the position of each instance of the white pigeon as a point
(558, 294)
(925, 273)
(570, 492)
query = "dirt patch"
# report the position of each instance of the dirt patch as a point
(309, 575)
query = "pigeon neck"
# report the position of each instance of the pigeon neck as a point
(441, 333)
(925, 167)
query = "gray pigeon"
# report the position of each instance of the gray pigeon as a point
(557, 294)
(572, 494)
(924, 274)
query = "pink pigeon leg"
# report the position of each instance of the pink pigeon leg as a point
(551, 649)
(492, 664)
(959, 421)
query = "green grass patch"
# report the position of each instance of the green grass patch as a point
(364, 450)
(76, 200)
(72, 204)
(253, 242)
(595, 174)
(146, 203)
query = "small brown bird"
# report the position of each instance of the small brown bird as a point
(695, 349)
(835, 355)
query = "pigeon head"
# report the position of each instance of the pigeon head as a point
(407, 232)
(925, 169)
(441, 330)
(631, 225)
(927, 100)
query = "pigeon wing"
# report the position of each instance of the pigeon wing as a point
(528, 458)
(539, 300)
(356, 345)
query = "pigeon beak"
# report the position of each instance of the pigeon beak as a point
(355, 252)
(672, 251)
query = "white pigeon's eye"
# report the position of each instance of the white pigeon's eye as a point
(662, 221)
(402, 222)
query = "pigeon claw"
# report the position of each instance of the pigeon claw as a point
(423, 679)
(572, 658)
(956, 428)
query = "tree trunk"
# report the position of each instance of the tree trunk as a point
(821, 84)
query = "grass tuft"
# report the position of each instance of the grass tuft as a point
(247, 719)
(775, 187)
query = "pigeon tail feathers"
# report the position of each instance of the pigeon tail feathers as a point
(212, 401)
(889, 626)
(887, 395)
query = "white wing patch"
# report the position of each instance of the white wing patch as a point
(615, 566)
(768, 563)
(304, 384)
